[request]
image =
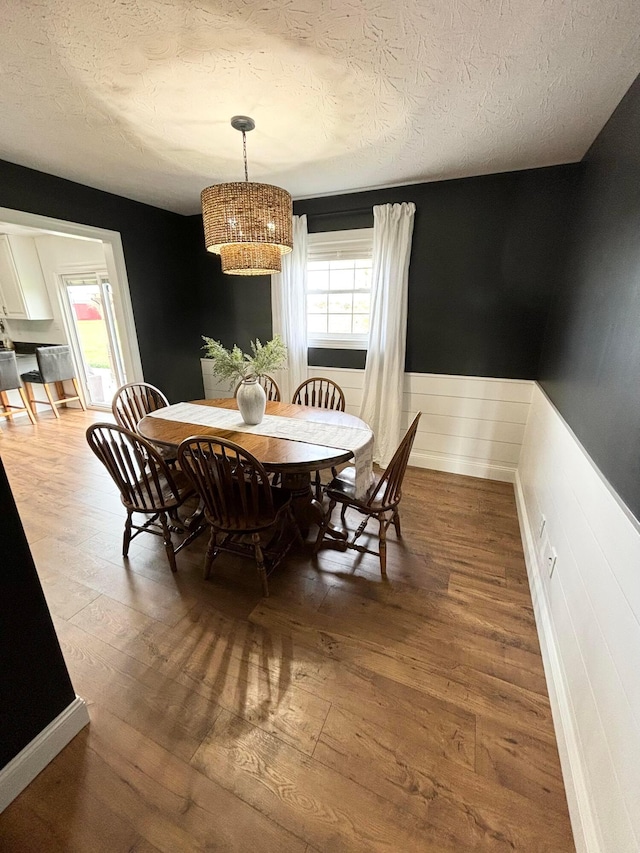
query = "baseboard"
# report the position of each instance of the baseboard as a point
(585, 834)
(459, 465)
(24, 768)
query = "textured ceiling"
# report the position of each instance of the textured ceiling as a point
(135, 97)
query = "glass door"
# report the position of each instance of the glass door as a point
(88, 302)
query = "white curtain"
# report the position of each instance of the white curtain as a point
(384, 370)
(289, 310)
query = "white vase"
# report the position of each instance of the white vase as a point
(252, 401)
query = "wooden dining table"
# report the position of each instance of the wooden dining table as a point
(295, 461)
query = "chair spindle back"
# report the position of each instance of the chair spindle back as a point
(232, 483)
(270, 386)
(144, 480)
(133, 401)
(389, 489)
(320, 393)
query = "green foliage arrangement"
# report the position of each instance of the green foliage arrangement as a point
(236, 365)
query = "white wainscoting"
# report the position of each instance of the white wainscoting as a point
(470, 425)
(588, 617)
(213, 387)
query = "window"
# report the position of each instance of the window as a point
(339, 288)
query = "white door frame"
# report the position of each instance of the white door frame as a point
(69, 271)
(116, 270)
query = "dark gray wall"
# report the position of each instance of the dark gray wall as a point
(483, 262)
(34, 682)
(160, 267)
(234, 309)
(482, 274)
(590, 365)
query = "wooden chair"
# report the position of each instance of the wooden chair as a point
(55, 367)
(132, 402)
(320, 393)
(10, 381)
(270, 387)
(147, 485)
(381, 502)
(239, 503)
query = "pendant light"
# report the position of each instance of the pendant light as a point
(247, 224)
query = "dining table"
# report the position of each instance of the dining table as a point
(294, 459)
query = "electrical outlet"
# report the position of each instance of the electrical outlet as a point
(552, 560)
(543, 524)
(548, 555)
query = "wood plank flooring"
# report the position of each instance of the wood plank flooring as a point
(343, 713)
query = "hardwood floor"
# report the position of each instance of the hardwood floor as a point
(343, 713)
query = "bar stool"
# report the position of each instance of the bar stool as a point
(55, 367)
(10, 381)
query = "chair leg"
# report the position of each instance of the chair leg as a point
(318, 484)
(28, 387)
(52, 402)
(126, 539)
(61, 392)
(78, 394)
(323, 526)
(168, 542)
(396, 523)
(383, 545)
(211, 552)
(5, 405)
(27, 405)
(255, 538)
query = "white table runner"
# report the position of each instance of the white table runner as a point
(356, 439)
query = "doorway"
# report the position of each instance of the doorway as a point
(88, 304)
(74, 259)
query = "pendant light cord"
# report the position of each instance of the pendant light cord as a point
(244, 154)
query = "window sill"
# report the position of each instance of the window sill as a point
(335, 342)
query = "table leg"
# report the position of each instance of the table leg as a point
(306, 509)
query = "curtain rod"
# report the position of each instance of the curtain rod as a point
(350, 211)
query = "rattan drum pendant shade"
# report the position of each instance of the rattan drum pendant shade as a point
(247, 224)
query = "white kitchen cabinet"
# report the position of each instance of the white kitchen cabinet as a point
(23, 292)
